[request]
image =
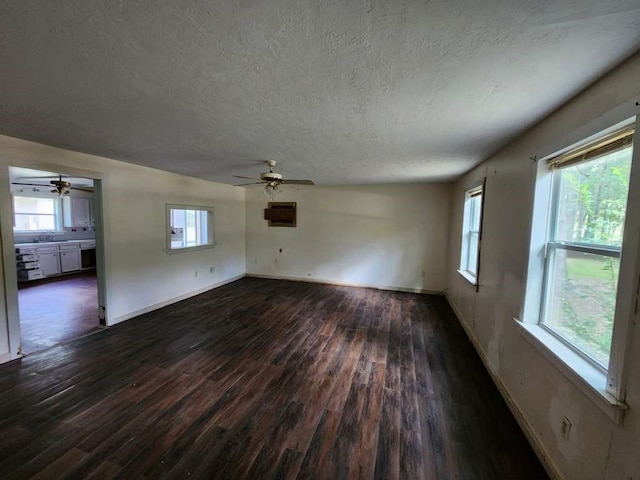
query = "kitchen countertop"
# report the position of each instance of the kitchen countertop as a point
(59, 242)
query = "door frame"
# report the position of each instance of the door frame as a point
(7, 249)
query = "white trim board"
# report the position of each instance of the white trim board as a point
(515, 411)
(171, 301)
(346, 284)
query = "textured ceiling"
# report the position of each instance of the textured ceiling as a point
(337, 91)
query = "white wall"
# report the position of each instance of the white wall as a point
(597, 448)
(139, 274)
(388, 236)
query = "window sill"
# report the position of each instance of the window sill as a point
(589, 379)
(37, 233)
(468, 277)
(171, 251)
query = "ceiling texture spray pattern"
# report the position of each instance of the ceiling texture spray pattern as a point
(338, 91)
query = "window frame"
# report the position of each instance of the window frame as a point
(475, 189)
(607, 389)
(210, 228)
(57, 214)
(552, 246)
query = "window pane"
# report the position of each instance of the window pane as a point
(472, 263)
(204, 227)
(582, 299)
(35, 222)
(34, 205)
(476, 202)
(190, 227)
(592, 199)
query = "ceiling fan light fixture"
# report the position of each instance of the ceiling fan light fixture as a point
(272, 181)
(60, 191)
(271, 190)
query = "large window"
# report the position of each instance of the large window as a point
(472, 221)
(588, 205)
(36, 214)
(189, 227)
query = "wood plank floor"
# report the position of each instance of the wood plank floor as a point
(264, 379)
(57, 310)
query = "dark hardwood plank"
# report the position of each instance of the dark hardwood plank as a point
(264, 379)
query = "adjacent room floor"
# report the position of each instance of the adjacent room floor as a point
(57, 310)
(265, 379)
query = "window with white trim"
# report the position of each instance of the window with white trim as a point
(36, 214)
(189, 227)
(588, 205)
(471, 223)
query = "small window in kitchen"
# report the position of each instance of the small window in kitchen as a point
(36, 214)
(189, 227)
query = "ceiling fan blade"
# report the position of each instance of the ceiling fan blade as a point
(44, 185)
(252, 183)
(246, 178)
(31, 184)
(43, 177)
(298, 182)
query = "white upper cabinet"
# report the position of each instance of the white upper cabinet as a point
(78, 212)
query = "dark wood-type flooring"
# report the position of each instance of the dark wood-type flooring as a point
(264, 379)
(57, 310)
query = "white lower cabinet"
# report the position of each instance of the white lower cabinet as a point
(36, 261)
(70, 261)
(49, 263)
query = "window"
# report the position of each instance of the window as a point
(583, 277)
(189, 227)
(36, 214)
(589, 190)
(471, 226)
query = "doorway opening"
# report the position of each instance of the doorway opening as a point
(55, 217)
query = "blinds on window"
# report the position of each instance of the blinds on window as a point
(603, 146)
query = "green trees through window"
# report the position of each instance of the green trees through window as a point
(583, 261)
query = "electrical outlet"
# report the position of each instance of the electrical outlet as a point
(211, 269)
(196, 273)
(565, 427)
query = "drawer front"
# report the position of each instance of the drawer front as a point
(49, 249)
(30, 274)
(27, 257)
(27, 250)
(70, 246)
(28, 265)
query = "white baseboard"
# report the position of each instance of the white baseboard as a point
(345, 284)
(515, 410)
(156, 306)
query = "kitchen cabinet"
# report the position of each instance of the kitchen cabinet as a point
(69, 260)
(49, 263)
(35, 274)
(77, 212)
(40, 260)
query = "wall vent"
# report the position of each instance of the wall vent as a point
(281, 214)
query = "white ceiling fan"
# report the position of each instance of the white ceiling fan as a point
(272, 181)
